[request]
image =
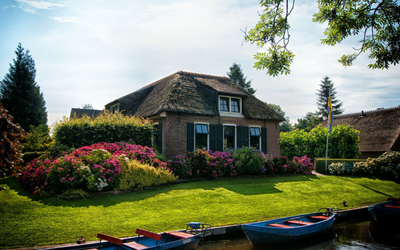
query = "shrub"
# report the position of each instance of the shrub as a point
(90, 168)
(336, 168)
(303, 165)
(38, 139)
(10, 145)
(135, 174)
(180, 166)
(343, 142)
(221, 165)
(249, 161)
(199, 161)
(78, 132)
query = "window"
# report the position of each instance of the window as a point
(235, 105)
(223, 104)
(114, 108)
(229, 137)
(230, 105)
(255, 137)
(201, 136)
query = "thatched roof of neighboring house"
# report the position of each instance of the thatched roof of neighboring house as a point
(379, 129)
(190, 93)
(76, 112)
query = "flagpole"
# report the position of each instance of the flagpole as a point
(327, 130)
(327, 139)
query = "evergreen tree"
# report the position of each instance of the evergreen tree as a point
(20, 94)
(323, 97)
(236, 75)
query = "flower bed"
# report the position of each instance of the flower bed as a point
(243, 161)
(93, 168)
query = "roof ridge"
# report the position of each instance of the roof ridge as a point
(201, 75)
(368, 112)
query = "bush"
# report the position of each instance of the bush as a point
(38, 139)
(343, 142)
(336, 168)
(11, 136)
(135, 174)
(78, 132)
(221, 165)
(180, 166)
(249, 161)
(91, 168)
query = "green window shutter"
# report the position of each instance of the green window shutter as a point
(220, 138)
(190, 137)
(213, 138)
(159, 138)
(264, 140)
(239, 136)
(246, 139)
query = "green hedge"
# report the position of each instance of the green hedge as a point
(78, 132)
(319, 163)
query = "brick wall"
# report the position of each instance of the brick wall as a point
(175, 131)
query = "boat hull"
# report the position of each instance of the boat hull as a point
(261, 235)
(166, 243)
(385, 215)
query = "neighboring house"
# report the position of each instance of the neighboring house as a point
(379, 130)
(197, 111)
(78, 113)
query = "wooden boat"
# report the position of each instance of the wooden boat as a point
(290, 229)
(174, 240)
(386, 212)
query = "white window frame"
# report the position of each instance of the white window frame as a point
(223, 133)
(208, 135)
(230, 113)
(259, 137)
(112, 111)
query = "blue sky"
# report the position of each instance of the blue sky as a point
(97, 51)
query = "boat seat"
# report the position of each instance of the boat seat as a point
(319, 217)
(179, 235)
(391, 206)
(119, 242)
(279, 225)
(299, 222)
(148, 234)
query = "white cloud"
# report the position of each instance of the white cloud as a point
(41, 4)
(67, 19)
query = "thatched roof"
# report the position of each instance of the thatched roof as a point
(81, 112)
(379, 129)
(191, 93)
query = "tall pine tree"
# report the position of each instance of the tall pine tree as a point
(236, 75)
(323, 97)
(20, 94)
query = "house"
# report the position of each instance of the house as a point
(196, 111)
(379, 130)
(76, 112)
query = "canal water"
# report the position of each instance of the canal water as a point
(349, 235)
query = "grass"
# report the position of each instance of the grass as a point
(28, 220)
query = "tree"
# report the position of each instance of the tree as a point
(20, 94)
(236, 75)
(376, 22)
(323, 97)
(284, 126)
(87, 106)
(308, 122)
(10, 144)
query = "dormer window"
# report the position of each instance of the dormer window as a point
(230, 105)
(235, 105)
(224, 104)
(114, 109)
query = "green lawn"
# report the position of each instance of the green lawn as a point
(28, 220)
